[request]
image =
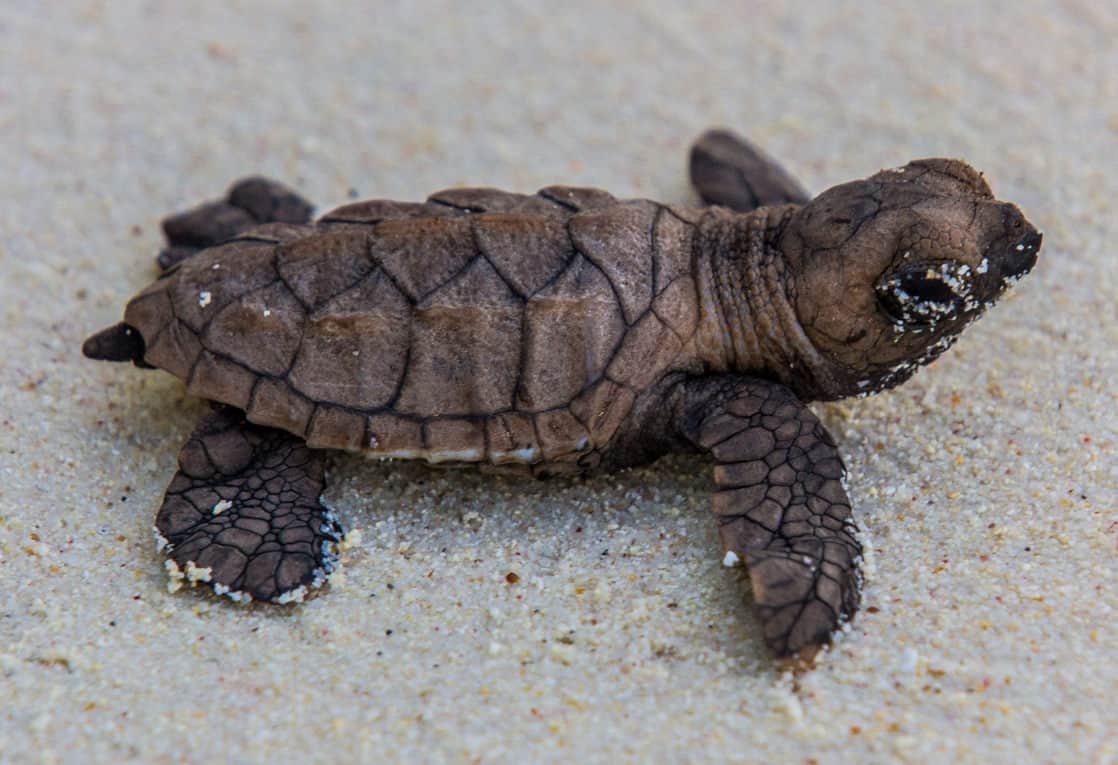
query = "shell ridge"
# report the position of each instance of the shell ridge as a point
(543, 194)
(602, 271)
(307, 308)
(433, 199)
(654, 248)
(492, 263)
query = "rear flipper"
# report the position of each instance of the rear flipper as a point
(250, 202)
(243, 512)
(730, 171)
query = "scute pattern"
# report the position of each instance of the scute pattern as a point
(355, 346)
(463, 351)
(174, 348)
(573, 327)
(219, 276)
(261, 329)
(672, 253)
(421, 254)
(393, 327)
(601, 234)
(216, 377)
(501, 238)
(317, 268)
(650, 347)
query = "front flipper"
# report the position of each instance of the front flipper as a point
(243, 512)
(781, 506)
(728, 170)
(250, 202)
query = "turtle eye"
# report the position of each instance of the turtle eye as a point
(918, 296)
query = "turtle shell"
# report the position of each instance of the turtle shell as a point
(480, 326)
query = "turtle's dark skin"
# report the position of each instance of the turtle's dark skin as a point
(558, 333)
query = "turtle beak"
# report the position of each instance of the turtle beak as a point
(1011, 249)
(120, 342)
(1022, 254)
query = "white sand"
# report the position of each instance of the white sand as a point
(987, 485)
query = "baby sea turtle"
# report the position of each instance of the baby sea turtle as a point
(558, 333)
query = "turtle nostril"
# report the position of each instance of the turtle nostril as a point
(1022, 256)
(1032, 240)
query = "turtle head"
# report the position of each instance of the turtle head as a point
(887, 271)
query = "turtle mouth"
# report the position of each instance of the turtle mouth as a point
(120, 342)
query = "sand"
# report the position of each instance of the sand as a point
(987, 485)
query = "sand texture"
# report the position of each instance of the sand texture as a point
(986, 486)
